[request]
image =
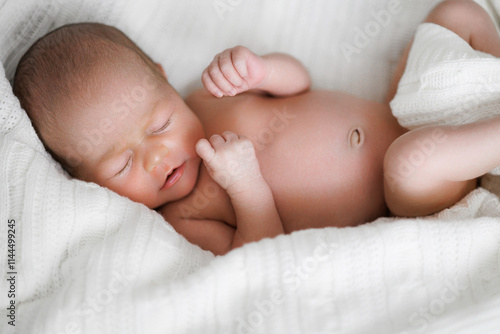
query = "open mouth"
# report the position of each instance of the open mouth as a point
(173, 176)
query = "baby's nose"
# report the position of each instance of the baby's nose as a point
(155, 157)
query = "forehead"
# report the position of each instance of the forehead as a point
(113, 106)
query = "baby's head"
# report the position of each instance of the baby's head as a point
(106, 112)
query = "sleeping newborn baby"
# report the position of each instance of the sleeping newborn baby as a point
(272, 158)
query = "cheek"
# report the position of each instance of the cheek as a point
(134, 187)
(194, 132)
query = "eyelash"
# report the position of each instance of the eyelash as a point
(163, 128)
(129, 162)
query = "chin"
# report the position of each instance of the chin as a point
(184, 189)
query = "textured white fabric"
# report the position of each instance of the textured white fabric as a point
(447, 82)
(90, 261)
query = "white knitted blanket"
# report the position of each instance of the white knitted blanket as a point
(77, 258)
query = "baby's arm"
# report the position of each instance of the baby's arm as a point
(431, 168)
(230, 160)
(237, 70)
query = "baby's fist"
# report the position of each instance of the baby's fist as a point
(230, 160)
(234, 71)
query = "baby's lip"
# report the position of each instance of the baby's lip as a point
(167, 175)
(173, 176)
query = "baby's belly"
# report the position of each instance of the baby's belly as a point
(302, 166)
(298, 149)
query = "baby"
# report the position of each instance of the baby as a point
(279, 157)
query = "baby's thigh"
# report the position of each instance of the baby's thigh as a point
(469, 21)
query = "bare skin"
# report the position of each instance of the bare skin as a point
(464, 153)
(279, 157)
(315, 180)
(318, 170)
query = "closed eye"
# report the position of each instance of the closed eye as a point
(127, 166)
(163, 128)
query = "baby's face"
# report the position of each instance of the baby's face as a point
(138, 139)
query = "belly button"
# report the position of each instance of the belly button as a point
(356, 137)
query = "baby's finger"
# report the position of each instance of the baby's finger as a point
(239, 57)
(205, 150)
(228, 135)
(219, 79)
(227, 68)
(216, 141)
(246, 144)
(209, 84)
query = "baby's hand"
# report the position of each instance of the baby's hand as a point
(234, 71)
(231, 161)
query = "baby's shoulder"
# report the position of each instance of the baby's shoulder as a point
(201, 98)
(202, 102)
(200, 93)
(212, 110)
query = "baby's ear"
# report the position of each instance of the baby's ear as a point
(161, 70)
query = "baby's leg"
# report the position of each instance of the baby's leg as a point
(430, 168)
(465, 18)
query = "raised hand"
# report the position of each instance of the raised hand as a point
(234, 71)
